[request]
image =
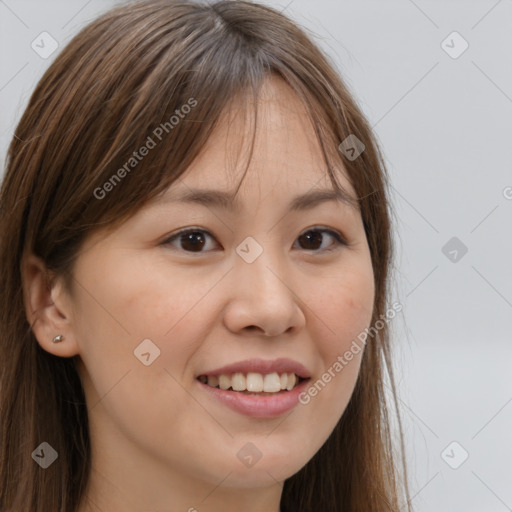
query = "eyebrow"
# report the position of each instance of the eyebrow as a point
(224, 200)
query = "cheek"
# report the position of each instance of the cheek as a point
(345, 307)
(145, 298)
(168, 305)
(120, 305)
(343, 310)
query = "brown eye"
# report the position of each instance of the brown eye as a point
(195, 240)
(312, 239)
(190, 240)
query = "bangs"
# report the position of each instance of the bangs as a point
(151, 102)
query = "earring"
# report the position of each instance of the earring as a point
(58, 338)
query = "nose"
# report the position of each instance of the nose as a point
(262, 298)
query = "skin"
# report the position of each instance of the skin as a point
(159, 442)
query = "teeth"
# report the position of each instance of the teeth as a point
(224, 382)
(271, 383)
(292, 379)
(252, 382)
(238, 382)
(213, 381)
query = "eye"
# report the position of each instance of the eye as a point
(192, 240)
(195, 239)
(313, 236)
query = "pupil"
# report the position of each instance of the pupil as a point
(194, 239)
(312, 236)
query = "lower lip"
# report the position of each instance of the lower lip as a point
(258, 406)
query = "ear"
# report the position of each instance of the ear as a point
(48, 308)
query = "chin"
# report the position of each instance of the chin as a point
(261, 475)
(273, 466)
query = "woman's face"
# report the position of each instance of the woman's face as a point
(261, 281)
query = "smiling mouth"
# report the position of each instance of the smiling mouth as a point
(253, 383)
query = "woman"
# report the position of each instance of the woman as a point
(176, 334)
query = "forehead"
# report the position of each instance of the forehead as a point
(273, 141)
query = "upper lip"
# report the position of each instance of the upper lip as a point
(281, 365)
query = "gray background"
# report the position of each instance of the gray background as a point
(444, 124)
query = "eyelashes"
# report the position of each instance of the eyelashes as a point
(193, 240)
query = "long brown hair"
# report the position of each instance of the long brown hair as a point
(120, 79)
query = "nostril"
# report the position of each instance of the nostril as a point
(253, 328)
